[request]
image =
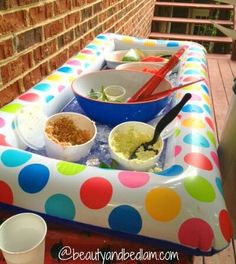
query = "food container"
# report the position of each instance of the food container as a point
(69, 136)
(125, 138)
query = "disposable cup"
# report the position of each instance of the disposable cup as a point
(22, 239)
(115, 92)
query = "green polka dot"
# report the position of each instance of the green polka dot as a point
(200, 189)
(211, 137)
(69, 168)
(177, 132)
(81, 56)
(11, 108)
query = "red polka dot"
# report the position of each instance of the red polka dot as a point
(196, 233)
(179, 116)
(133, 179)
(6, 193)
(215, 158)
(96, 193)
(225, 225)
(3, 141)
(198, 160)
(177, 150)
(210, 123)
(30, 97)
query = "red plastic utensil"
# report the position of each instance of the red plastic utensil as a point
(168, 92)
(156, 79)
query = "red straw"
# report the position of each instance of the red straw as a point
(168, 92)
(156, 79)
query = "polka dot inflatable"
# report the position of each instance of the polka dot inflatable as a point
(182, 205)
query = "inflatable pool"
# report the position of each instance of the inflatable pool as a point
(181, 207)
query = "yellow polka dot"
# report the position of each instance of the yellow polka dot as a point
(163, 204)
(97, 41)
(207, 99)
(190, 64)
(149, 43)
(54, 77)
(193, 123)
(194, 87)
(127, 39)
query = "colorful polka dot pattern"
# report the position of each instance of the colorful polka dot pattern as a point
(176, 200)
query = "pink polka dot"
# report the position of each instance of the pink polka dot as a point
(3, 141)
(196, 233)
(95, 193)
(6, 193)
(215, 158)
(86, 51)
(79, 71)
(177, 150)
(133, 179)
(29, 97)
(196, 97)
(74, 62)
(198, 160)
(2, 122)
(60, 88)
(179, 116)
(225, 225)
(189, 79)
(210, 123)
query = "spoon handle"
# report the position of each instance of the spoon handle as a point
(170, 116)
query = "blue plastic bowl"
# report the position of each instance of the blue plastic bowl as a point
(112, 113)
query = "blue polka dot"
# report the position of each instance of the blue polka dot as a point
(219, 185)
(49, 98)
(60, 205)
(192, 72)
(42, 87)
(196, 140)
(91, 46)
(172, 44)
(33, 178)
(86, 65)
(204, 87)
(207, 108)
(98, 53)
(65, 69)
(172, 171)
(101, 37)
(193, 59)
(192, 109)
(126, 219)
(15, 158)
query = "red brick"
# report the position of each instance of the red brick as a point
(26, 2)
(35, 76)
(65, 38)
(6, 49)
(16, 67)
(29, 38)
(9, 94)
(86, 13)
(78, 3)
(40, 13)
(58, 60)
(53, 28)
(62, 6)
(44, 51)
(12, 22)
(72, 19)
(75, 48)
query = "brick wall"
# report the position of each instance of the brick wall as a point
(37, 36)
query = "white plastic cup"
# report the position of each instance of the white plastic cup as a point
(22, 239)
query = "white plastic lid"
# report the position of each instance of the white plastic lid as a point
(29, 125)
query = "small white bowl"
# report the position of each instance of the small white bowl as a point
(69, 152)
(130, 140)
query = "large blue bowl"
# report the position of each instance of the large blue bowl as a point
(112, 113)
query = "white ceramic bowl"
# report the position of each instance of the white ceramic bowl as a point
(125, 128)
(114, 58)
(70, 152)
